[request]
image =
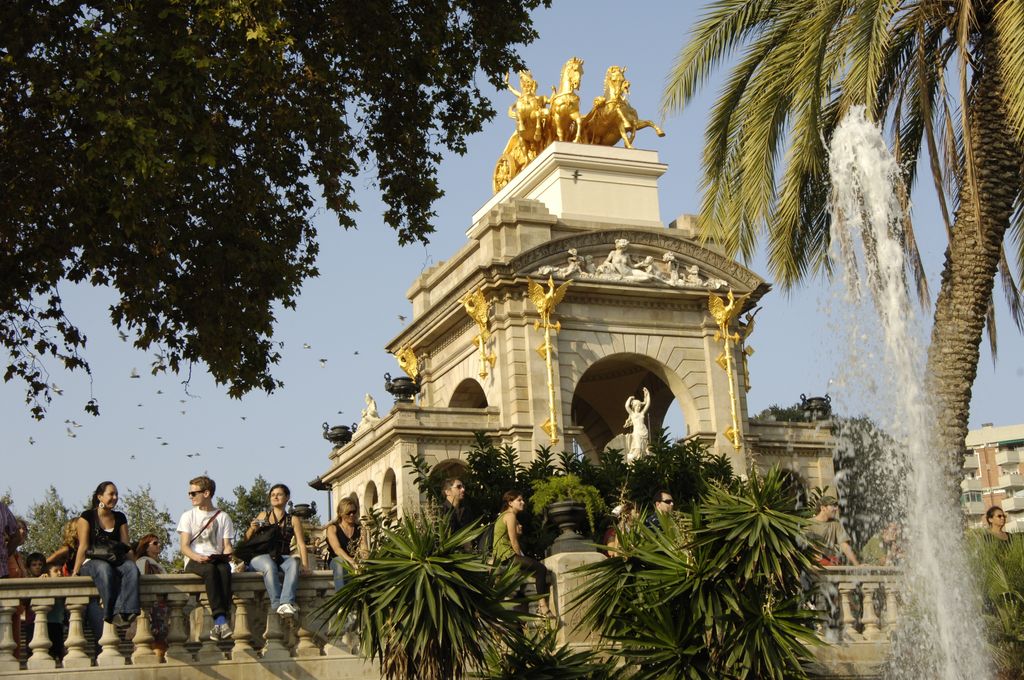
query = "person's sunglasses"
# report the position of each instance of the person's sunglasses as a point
(349, 513)
(193, 494)
(668, 501)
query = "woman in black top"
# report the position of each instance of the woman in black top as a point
(345, 539)
(117, 581)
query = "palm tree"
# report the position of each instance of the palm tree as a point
(802, 65)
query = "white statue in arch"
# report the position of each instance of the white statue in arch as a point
(369, 414)
(640, 439)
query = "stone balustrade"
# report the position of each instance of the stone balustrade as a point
(262, 646)
(861, 608)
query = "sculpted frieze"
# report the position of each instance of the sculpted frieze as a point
(622, 266)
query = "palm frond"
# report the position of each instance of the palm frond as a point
(1008, 22)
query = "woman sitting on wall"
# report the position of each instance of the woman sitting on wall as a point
(345, 540)
(105, 555)
(277, 560)
(507, 531)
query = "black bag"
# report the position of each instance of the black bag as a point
(107, 551)
(264, 541)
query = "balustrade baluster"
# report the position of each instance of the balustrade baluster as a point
(304, 624)
(243, 630)
(40, 644)
(108, 643)
(76, 655)
(209, 651)
(892, 608)
(274, 649)
(144, 654)
(872, 628)
(8, 662)
(847, 619)
(177, 630)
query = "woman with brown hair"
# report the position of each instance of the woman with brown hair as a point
(148, 551)
(507, 549)
(116, 578)
(345, 540)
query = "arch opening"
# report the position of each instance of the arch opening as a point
(369, 497)
(598, 402)
(468, 394)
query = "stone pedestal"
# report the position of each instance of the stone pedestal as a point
(563, 590)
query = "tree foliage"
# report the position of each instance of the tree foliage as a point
(248, 502)
(46, 520)
(174, 151)
(943, 77)
(146, 517)
(716, 596)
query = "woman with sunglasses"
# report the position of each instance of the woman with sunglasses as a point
(995, 518)
(345, 540)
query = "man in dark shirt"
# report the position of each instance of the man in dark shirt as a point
(459, 516)
(663, 506)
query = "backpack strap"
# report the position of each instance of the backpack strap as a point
(205, 527)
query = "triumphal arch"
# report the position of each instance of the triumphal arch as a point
(571, 318)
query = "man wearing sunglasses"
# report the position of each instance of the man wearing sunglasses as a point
(205, 538)
(664, 504)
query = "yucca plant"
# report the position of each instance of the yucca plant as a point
(538, 656)
(426, 610)
(716, 595)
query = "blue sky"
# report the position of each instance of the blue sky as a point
(152, 432)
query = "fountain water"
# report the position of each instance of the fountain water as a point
(941, 635)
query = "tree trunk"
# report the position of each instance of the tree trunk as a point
(971, 260)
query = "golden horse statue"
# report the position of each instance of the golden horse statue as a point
(613, 117)
(565, 103)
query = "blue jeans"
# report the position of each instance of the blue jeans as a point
(118, 587)
(338, 570)
(280, 593)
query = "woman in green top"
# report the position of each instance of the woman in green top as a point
(507, 531)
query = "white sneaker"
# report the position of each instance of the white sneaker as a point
(287, 609)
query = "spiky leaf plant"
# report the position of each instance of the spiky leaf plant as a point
(715, 595)
(538, 656)
(426, 610)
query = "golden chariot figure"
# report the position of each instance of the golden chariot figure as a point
(543, 120)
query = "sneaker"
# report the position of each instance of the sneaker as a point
(221, 631)
(287, 609)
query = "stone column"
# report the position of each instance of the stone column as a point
(144, 655)
(108, 643)
(209, 650)
(563, 590)
(76, 656)
(177, 631)
(8, 662)
(40, 644)
(243, 631)
(275, 648)
(304, 623)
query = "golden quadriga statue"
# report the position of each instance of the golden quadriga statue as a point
(541, 120)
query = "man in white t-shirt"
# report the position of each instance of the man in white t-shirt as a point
(206, 534)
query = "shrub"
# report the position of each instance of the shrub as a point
(568, 488)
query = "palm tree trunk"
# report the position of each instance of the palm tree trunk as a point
(971, 260)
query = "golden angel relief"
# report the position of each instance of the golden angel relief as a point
(541, 120)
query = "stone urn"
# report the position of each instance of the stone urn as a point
(403, 388)
(302, 510)
(571, 518)
(816, 408)
(339, 435)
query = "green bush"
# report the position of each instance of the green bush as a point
(1000, 568)
(716, 595)
(568, 488)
